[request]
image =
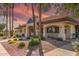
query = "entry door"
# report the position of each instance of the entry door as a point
(67, 32)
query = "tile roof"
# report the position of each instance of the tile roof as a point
(58, 19)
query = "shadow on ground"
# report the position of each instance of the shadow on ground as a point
(61, 44)
(39, 52)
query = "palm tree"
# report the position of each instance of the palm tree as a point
(2, 13)
(45, 8)
(6, 15)
(40, 22)
(7, 7)
(12, 7)
(33, 15)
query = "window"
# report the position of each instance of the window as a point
(53, 29)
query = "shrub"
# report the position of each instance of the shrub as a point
(60, 39)
(43, 38)
(1, 34)
(33, 42)
(35, 36)
(15, 39)
(21, 45)
(11, 41)
(76, 47)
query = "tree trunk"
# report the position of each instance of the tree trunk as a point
(12, 18)
(3, 19)
(33, 15)
(40, 34)
(6, 21)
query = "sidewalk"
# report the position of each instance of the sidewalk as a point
(65, 50)
(3, 52)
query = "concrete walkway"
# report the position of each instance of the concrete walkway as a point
(65, 50)
(3, 52)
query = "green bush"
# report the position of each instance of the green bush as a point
(60, 39)
(21, 45)
(33, 42)
(76, 46)
(35, 36)
(1, 34)
(43, 38)
(15, 39)
(11, 41)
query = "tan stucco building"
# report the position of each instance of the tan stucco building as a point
(55, 27)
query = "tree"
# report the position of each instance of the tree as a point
(6, 15)
(12, 7)
(41, 7)
(68, 9)
(33, 15)
(7, 7)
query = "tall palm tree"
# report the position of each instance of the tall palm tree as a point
(41, 7)
(2, 13)
(12, 7)
(7, 15)
(33, 15)
(40, 22)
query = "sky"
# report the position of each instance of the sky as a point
(23, 12)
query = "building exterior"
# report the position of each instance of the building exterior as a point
(21, 29)
(54, 27)
(60, 27)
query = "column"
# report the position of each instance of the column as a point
(26, 31)
(62, 32)
(72, 30)
(44, 31)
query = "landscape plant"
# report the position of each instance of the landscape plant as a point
(21, 45)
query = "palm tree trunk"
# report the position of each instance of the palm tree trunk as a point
(12, 18)
(6, 21)
(33, 15)
(3, 18)
(40, 26)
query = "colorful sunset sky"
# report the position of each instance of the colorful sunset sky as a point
(23, 12)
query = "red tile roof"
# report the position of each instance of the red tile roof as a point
(21, 26)
(57, 19)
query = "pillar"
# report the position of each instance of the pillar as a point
(62, 32)
(44, 32)
(72, 30)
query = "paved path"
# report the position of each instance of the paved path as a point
(3, 52)
(65, 50)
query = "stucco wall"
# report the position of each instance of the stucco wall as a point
(61, 29)
(53, 35)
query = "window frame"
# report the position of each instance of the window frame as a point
(54, 29)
